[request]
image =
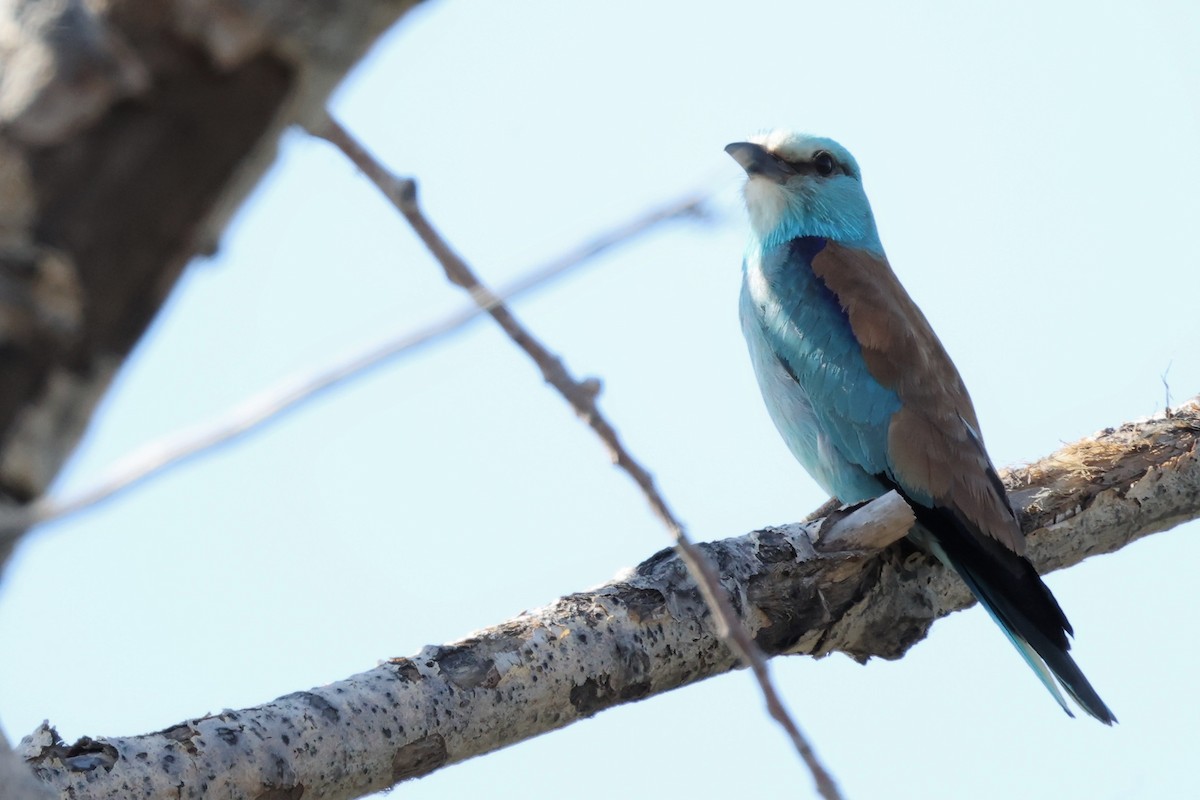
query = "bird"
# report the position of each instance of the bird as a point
(866, 397)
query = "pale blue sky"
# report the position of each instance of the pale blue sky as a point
(1033, 171)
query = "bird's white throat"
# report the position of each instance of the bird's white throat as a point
(766, 205)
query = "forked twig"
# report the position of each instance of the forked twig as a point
(157, 457)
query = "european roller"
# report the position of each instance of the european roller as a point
(865, 395)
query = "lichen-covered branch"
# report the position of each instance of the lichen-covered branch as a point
(644, 633)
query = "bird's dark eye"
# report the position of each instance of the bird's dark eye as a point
(824, 163)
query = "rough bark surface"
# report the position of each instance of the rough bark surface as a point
(644, 633)
(16, 781)
(129, 132)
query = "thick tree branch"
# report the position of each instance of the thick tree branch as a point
(640, 635)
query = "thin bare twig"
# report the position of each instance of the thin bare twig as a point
(581, 395)
(157, 457)
(1166, 390)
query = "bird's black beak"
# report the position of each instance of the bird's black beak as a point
(758, 161)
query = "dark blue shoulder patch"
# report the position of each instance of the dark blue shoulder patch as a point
(806, 247)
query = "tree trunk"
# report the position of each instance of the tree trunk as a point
(127, 140)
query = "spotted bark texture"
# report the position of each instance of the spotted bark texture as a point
(795, 587)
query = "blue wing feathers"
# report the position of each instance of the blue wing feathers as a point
(807, 331)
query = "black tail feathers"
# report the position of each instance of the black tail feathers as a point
(1013, 593)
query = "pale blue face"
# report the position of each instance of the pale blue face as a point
(821, 195)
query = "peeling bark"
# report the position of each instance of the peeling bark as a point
(642, 634)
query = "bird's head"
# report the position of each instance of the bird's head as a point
(801, 185)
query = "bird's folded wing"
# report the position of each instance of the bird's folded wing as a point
(933, 447)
